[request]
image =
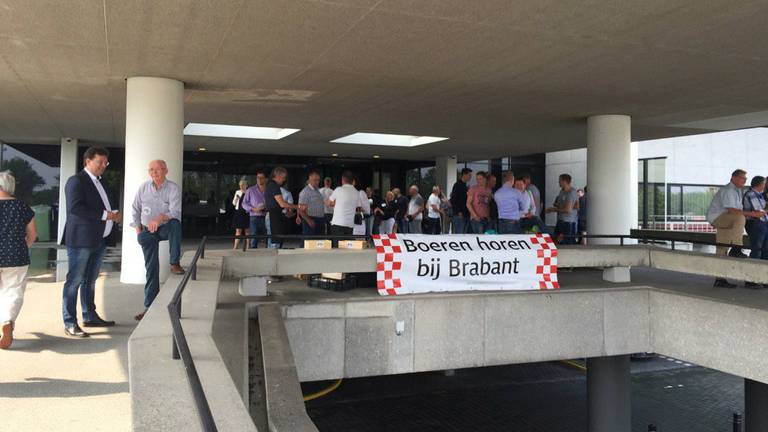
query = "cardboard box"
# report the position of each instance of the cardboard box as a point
(317, 244)
(337, 276)
(352, 244)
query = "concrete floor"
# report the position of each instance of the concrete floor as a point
(49, 382)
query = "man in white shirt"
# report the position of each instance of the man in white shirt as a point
(345, 201)
(726, 213)
(326, 192)
(90, 220)
(433, 211)
(415, 209)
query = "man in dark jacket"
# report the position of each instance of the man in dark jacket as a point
(90, 220)
(459, 202)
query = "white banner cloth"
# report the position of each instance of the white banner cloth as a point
(418, 263)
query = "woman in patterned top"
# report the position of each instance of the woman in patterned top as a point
(17, 231)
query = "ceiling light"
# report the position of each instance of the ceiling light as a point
(202, 149)
(233, 131)
(376, 156)
(387, 139)
(335, 154)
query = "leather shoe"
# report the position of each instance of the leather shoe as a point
(98, 322)
(723, 283)
(75, 331)
(737, 253)
(140, 316)
(177, 269)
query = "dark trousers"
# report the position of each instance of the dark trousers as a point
(84, 265)
(758, 238)
(459, 224)
(318, 229)
(278, 225)
(402, 226)
(337, 230)
(258, 227)
(509, 226)
(150, 243)
(433, 225)
(568, 230)
(328, 217)
(479, 226)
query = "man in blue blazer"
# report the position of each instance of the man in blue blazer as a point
(90, 221)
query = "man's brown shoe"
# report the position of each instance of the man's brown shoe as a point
(177, 269)
(6, 335)
(140, 316)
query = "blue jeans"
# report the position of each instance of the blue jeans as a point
(459, 224)
(319, 228)
(568, 229)
(479, 226)
(84, 266)
(149, 242)
(258, 227)
(402, 226)
(509, 226)
(758, 238)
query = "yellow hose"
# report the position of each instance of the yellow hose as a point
(574, 364)
(323, 392)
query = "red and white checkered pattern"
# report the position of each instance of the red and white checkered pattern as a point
(547, 261)
(388, 263)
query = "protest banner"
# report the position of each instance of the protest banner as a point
(418, 263)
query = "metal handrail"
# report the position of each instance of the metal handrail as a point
(181, 348)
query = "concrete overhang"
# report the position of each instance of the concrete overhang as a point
(498, 77)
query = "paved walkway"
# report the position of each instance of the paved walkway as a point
(49, 382)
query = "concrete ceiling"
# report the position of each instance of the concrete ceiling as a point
(498, 77)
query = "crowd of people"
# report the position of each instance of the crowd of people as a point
(512, 207)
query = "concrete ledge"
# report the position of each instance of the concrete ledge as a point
(292, 261)
(285, 403)
(161, 398)
(478, 329)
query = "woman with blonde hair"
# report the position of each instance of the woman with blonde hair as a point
(17, 231)
(386, 212)
(240, 220)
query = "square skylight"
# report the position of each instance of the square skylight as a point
(387, 139)
(234, 131)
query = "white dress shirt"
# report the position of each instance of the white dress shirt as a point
(105, 200)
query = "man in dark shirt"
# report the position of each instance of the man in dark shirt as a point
(459, 202)
(401, 216)
(274, 202)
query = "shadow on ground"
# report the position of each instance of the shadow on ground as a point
(40, 387)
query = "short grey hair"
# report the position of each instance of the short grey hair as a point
(7, 182)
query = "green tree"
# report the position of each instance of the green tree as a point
(27, 178)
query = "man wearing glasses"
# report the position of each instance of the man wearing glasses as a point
(90, 221)
(156, 214)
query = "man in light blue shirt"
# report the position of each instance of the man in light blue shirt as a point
(726, 213)
(512, 204)
(157, 217)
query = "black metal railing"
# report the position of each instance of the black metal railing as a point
(180, 348)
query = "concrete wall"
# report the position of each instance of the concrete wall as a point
(359, 338)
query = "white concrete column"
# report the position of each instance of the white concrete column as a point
(755, 406)
(154, 124)
(445, 173)
(68, 166)
(609, 394)
(611, 207)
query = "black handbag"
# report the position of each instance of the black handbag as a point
(358, 219)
